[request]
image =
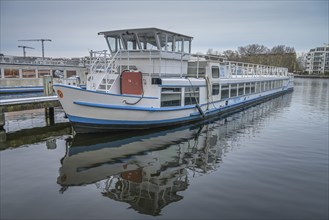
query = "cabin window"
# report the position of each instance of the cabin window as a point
(260, 86)
(11, 73)
(257, 87)
(42, 73)
(279, 83)
(267, 86)
(28, 73)
(241, 89)
(276, 84)
(215, 89)
(224, 92)
(191, 95)
(70, 73)
(196, 69)
(171, 97)
(252, 88)
(233, 90)
(247, 89)
(215, 71)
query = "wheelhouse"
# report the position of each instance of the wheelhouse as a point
(147, 39)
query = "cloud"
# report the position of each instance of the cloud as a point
(73, 25)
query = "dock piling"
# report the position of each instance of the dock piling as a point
(48, 91)
(2, 117)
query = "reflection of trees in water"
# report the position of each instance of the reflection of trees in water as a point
(151, 180)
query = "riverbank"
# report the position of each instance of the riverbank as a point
(312, 76)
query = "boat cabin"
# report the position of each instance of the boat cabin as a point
(150, 50)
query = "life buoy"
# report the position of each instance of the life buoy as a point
(60, 93)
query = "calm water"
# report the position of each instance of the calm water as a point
(267, 162)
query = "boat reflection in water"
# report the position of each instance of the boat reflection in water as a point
(148, 169)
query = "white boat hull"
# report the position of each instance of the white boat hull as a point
(92, 112)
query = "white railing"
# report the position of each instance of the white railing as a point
(102, 67)
(228, 69)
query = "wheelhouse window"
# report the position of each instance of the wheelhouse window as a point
(171, 97)
(114, 43)
(147, 41)
(215, 71)
(178, 44)
(215, 89)
(130, 41)
(187, 46)
(224, 91)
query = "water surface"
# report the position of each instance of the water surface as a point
(267, 162)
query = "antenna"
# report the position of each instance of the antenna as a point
(24, 52)
(42, 40)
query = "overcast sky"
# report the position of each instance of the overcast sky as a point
(221, 25)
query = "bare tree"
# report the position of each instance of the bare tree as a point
(252, 49)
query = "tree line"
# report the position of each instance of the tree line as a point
(281, 55)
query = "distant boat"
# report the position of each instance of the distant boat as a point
(150, 79)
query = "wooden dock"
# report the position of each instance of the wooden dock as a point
(21, 104)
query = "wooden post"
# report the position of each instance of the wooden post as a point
(48, 91)
(49, 116)
(3, 136)
(2, 117)
(48, 85)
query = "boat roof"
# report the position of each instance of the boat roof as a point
(115, 33)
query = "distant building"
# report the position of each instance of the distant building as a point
(317, 60)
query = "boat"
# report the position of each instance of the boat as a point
(149, 79)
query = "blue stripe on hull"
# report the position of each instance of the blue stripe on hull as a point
(93, 125)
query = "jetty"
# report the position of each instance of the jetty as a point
(48, 102)
(21, 104)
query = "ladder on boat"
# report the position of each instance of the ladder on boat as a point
(103, 71)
